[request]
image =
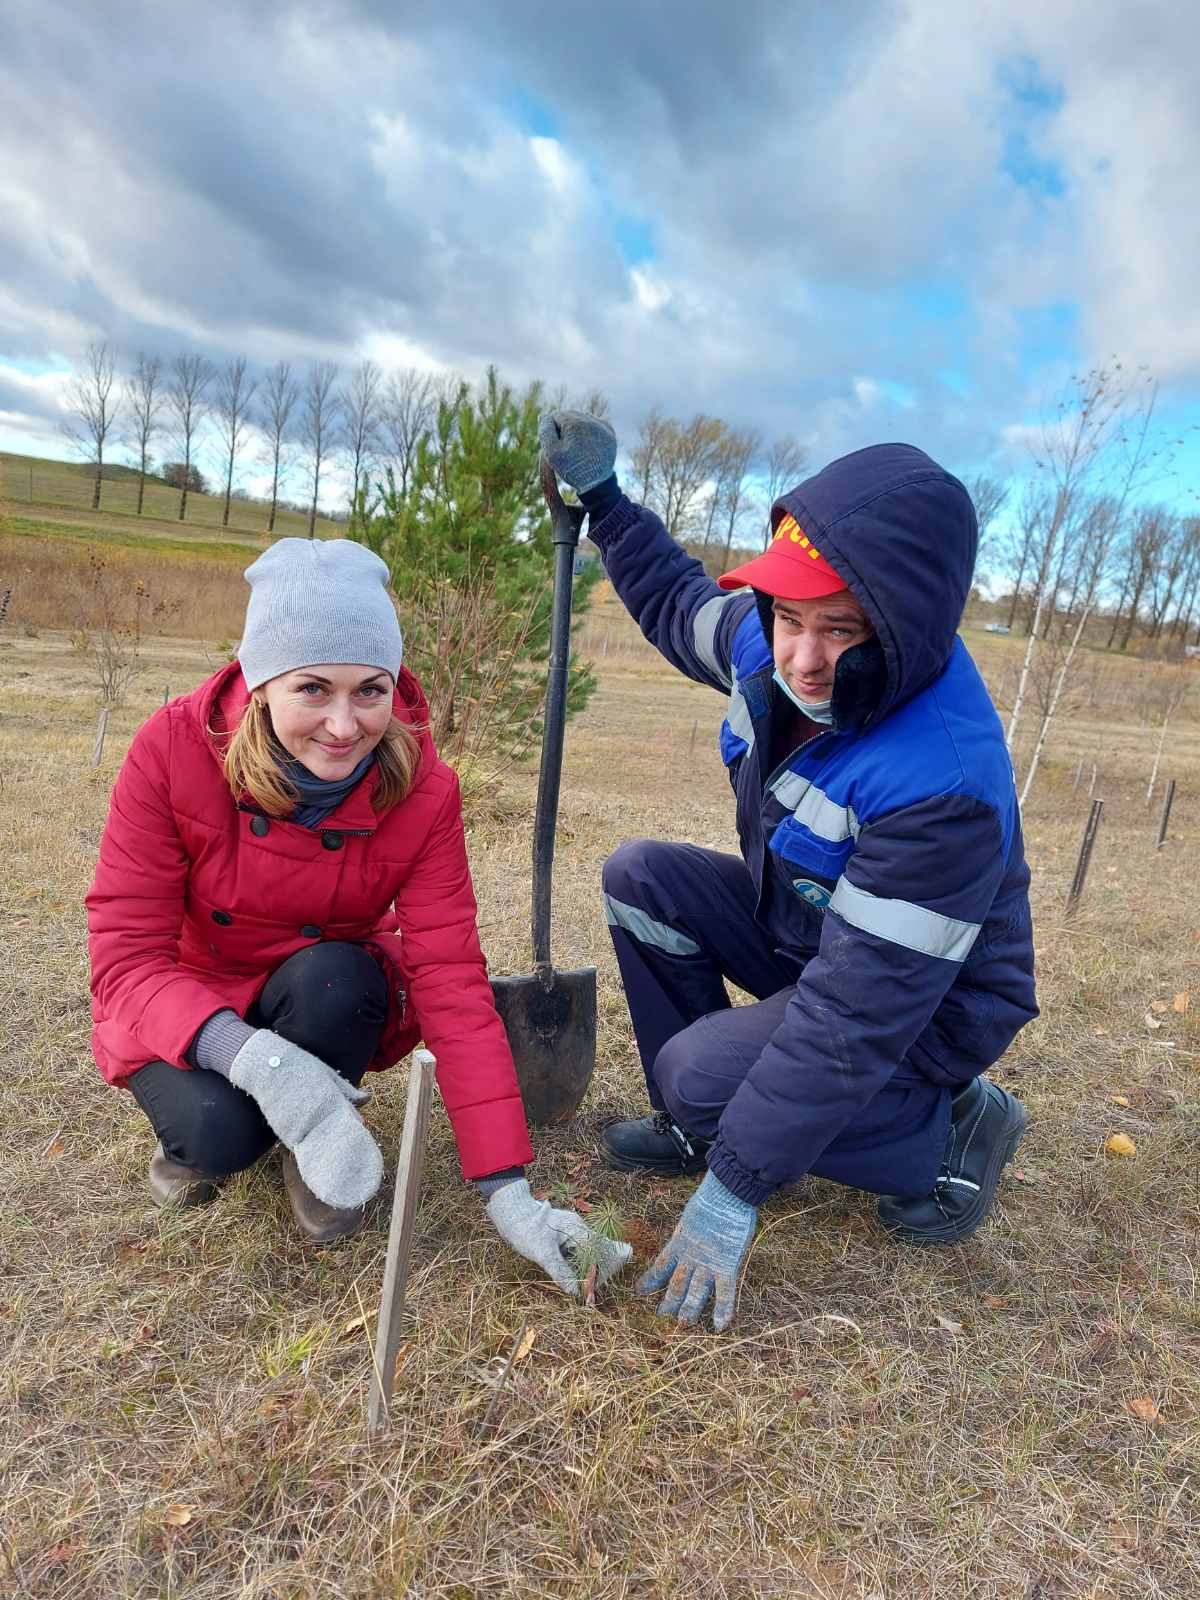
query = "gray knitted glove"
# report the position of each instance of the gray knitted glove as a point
(580, 448)
(703, 1256)
(311, 1108)
(551, 1238)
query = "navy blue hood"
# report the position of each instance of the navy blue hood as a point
(902, 532)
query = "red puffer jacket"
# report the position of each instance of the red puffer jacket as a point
(196, 901)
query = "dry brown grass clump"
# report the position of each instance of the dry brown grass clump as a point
(182, 1399)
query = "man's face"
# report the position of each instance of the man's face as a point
(810, 635)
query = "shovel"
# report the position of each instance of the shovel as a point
(550, 1017)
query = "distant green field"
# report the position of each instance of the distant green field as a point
(61, 492)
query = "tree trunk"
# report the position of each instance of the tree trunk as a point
(1015, 717)
(99, 476)
(183, 495)
(1050, 710)
(141, 488)
(1016, 599)
(228, 493)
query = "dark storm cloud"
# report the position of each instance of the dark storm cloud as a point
(838, 246)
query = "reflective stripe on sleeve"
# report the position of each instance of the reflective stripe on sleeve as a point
(646, 930)
(738, 718)
(901, 922)
(704, 635)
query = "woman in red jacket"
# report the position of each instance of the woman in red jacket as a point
(282, 902)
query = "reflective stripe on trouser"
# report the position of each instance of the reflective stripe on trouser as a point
(682, 922)
(696, 1049)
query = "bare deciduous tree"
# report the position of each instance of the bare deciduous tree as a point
(94, 410)
(280, 393)
(318, 427)
(187, 398)
(359, 404)
(782, 466)
(736, 455)
(235, 392)
(409, 411)
(652, 434)
(143, 404)
(679, 460)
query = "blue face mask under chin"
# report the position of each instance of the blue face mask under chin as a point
(819, 710)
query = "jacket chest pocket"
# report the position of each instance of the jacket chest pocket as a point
(806, 857)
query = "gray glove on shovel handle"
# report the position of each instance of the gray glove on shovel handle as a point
(311, 1109)
(551, 1238)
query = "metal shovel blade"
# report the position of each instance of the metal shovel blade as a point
(550, 1017)
(551, 1027)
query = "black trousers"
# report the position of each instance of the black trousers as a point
(330, 999)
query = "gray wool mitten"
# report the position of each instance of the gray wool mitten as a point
(311, 1108)
(582, 449)
(554, 1240)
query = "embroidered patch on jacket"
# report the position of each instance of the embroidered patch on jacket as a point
(789, 528)
(814, 893)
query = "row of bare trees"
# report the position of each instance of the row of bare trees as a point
(711, 483)
(1085, 553)
(287, 422)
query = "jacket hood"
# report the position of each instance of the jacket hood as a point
(222, 699)
(902, 532)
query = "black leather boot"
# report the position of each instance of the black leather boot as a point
(986, 1124)
(652, 1144)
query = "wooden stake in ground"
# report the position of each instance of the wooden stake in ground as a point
(404, 1216)
(101, 730)
(1085, 855)
(1166, 814)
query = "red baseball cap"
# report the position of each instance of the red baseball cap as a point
(791, 568)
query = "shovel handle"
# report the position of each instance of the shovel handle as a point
(565, 522)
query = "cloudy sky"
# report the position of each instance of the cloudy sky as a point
(881, 220)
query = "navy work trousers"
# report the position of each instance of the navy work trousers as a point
(682, 922)
(330, 999)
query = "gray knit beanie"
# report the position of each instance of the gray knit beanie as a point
(317, 602)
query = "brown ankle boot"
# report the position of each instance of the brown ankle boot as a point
(174, 1185)
(321, 1224)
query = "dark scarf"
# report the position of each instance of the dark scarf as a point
(320, 796)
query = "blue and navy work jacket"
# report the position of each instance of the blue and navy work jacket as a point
(887, 855)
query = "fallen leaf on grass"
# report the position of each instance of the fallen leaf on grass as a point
(357, 1324)
(1182, 1001)
(525, 1346)
(1120, 1099)
(1100, 1032)
(948, 1324)
(1119, 1144)
(1144, 1408)
(1158, 1005)
(994, 1302)
(589, 1287)
(178, 1516)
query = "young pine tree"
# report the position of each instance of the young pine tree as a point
(472, 564)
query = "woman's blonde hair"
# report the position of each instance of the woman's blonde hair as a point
(252, 763)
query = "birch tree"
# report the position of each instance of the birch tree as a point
(235, 392)
(187, 400)
(280, 393)
(318, 427)
(362, 437)
(94, 406)
(144, 402)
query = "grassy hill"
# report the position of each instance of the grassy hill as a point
(61, 492)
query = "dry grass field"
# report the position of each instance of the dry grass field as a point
(182, 1397)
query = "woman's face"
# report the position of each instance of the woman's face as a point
(329, 717)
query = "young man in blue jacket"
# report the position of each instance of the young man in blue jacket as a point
(879, 910)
